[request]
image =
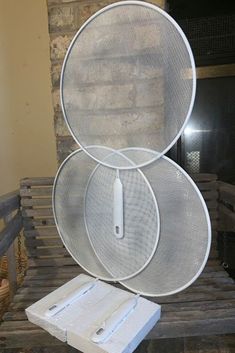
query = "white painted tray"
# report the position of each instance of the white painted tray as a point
(77, 322)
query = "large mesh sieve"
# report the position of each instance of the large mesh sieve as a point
(83, 209)
(185, 234)
(128, 80)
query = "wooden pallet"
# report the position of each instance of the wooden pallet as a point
(205, 308)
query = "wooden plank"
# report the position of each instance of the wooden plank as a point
(30, 290)
(63, 261)
(11, 266)
(207, 277)
(16, 333)
(47, 251)
(190, 295)
(27, 338)
(201, 296)
(43, 191)
(227, 193)
(44, 282)
(207, 185)
(10, 232)
(37, 181)
(41, 232)
(30, 202)
(210, 195)
(69, 261)
(22, 300)
(9, 202)
(226, 70)
(226, 219)
(200, 305)
(212, 204)
(202, 285)
(215, 313)
(211, 272)
(11, 262)
(39, 212)
(215, 268)
(192, 328)
(214, 225)
(15, 316)
(203, 177)
(213, 253)
(54, 270)
(214, 262)
(184, 299)
(61, 276)
(8, 326)
(209, 344)
(39, 222)
(43, 242)
(213, 214)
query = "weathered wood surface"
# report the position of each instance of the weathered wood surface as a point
(205, 308)
(8, 203)
(10, 232)
(12, 273)
(226, 207)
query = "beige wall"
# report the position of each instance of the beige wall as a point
(27, 141)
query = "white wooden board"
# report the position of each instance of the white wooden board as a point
(78, 321)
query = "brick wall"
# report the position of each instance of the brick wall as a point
(65, 18)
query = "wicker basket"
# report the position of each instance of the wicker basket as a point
(3, 267)
(4, 295)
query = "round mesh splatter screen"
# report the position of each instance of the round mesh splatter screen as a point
(83, 207)
(185, 236)
(128, 80)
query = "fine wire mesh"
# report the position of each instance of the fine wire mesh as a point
(128, 81)
(184, 240)
(126, 256)
(68, 199)
(82, 184)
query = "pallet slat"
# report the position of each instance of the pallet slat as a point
(203, 177)
(37, 191)
(37, 181)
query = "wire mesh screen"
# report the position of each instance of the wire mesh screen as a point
(184, 241)
(127, 89)
(83, 206)
(128, 80)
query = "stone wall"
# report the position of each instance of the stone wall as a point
(65, 18)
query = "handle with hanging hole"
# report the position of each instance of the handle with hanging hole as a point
(118, 207)
(70, 298)
(111, 324)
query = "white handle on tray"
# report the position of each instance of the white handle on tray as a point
(111, 324)
(70, 298)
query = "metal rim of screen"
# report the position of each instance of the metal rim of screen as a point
(156, 154)
(112, 277)
(140, 290)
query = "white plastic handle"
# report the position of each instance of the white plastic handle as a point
(118, 207)
(70, 298)
(111, 324)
